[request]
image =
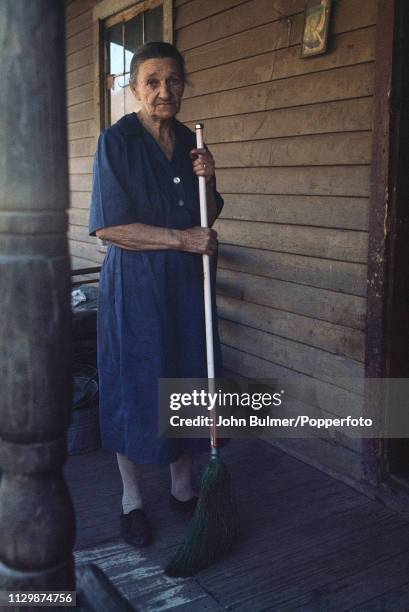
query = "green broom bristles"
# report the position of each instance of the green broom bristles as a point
(214, 527)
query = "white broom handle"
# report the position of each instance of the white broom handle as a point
(206, 281)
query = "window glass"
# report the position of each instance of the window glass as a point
(122, 40)
(153, 24)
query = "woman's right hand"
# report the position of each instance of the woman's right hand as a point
(201, 240)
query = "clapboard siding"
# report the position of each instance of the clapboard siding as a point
(292, 141)
(340, 84)
(322, 211)
(275, 35)
(339, 276)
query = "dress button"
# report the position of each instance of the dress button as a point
(181, 203)
(176, 180)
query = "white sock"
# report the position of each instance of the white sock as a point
(131, 475)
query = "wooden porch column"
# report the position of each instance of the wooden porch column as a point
(36, 515)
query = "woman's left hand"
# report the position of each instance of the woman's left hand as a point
(203, 163)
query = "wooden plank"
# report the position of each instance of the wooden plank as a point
(197, 9)
(276, 35)
(77, 95)
(81, 76)
(80, 182)
(80, 233)
(348, 49)
(78, 216)
(78, 24)
(321, 150)
(79, 41)
(79, 58)
(80, 112)
(299, 386)
(78, 263)
(324, 366)
(326, 456)
(339, 84)
(324, 273)
(321, 304)
(293, 408)
(77, 7)
(343, 245)
(346, 213)
(382, 582)
(80, 199)
(371, 545)
(395, 599)
(308, 180)
(334, 117)
(319, 334)
(82, 147)
(80, 165)
(85, 251)
(237, 19)
(82, 129)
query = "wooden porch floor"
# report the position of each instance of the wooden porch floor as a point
(310, 542)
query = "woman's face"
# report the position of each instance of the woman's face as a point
(159, 87)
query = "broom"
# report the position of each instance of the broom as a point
(214, 527)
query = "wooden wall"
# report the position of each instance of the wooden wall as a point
(292, 142)
(82, 130)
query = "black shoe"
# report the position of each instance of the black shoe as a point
(135, 528)
(187, 507)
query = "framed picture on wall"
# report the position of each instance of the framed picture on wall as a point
(316, 23)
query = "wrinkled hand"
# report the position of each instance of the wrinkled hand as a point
(201, 240)
(203, 163)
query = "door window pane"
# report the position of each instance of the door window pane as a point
(115, 49)
(153, 24)
(133, 38)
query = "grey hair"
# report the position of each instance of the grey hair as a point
(153, 50)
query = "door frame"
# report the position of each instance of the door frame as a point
(386, 356)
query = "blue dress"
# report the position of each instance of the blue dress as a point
(150, 308)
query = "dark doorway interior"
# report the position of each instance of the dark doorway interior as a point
(396, 451)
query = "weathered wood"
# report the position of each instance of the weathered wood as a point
(336, 212)
(88, 252)
(275, 35)
(239, 18)
(80, 199)
(312, 180)
(97, 593)
(81, 182)
(300, 386)
(77, 7)
(79, 41)
(320, 334)
(321, 150)
(341, 371)
(78, 24)
(348, 49)
(80, 76)
(81, 129)
(80, 112)
(83, 93)
(343, 245)
(83, 147)
(339, 116)
(291, 297)
(340, 276)
(36, 515)
(339, 84)
(80, 165)
(196, 9)
(78, 59)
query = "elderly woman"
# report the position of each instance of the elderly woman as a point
(150, 313)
